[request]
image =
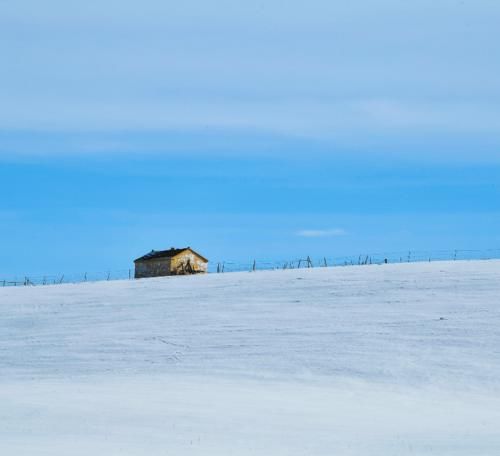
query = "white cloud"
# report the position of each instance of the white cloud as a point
(323, 71)
(321, 233)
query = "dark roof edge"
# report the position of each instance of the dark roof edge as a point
(196, 253)
(164, 254)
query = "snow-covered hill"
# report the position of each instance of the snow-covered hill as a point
(377, 360)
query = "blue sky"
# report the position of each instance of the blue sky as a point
(271, 130)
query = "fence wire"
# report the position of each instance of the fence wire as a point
(409, 256)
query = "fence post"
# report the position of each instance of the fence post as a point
(309, 262)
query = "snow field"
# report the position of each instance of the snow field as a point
(382, 360)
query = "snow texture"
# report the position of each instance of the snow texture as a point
(373, 360)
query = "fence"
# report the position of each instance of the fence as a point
(260, 265)
(407, 256)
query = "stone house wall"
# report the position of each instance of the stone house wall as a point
(184, 263)
(152, 268)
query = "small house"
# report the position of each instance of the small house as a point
(158, 263)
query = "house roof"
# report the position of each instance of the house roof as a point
(170, 253)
